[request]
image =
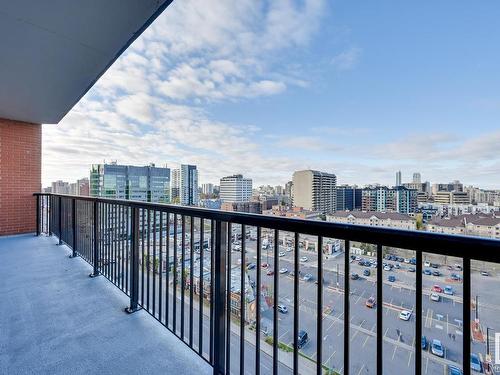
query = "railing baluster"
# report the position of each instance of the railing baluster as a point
(346, 306)
(167, 273)
(154, 263)
(201, 292)
(276, 301)
(183, 279)
(160, 285)
(418, 313)
(466, 315)
(38, 215)
(212, 290)
(175, 277)
(73, 223)
(296, 306)
(134, 280)
(191, 271)
(258, 304)
(242, 301)
(219, 285)
(229, 236)
(95, 243)
(59, 221)
(148, 259)
(319, 328)
(380, 307)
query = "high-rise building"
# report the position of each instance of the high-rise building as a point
(451, 186)
(398, 178)
(60, 187)
(314, 190)
(80, 187)
(185, 185)
(348, 198)
(207, 189)
(235, 188)
(383, 199)
(147, 184)
(417, 178)
(288, 188)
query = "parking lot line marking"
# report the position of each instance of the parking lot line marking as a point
(340, 332)
(366, 340)
(426, 364)
(409, 358)
(387, 329)
(361, 369)
(439, 326)
(354, 335)
(394, 352)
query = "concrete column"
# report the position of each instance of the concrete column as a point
(20, 175)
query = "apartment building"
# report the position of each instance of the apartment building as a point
(146, 184)
(378, 219)
(451, 197)
(235, 188)
(383, 199)
(184, 187)
(483, 225)
(314, 190)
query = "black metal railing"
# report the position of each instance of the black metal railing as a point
(177, 264)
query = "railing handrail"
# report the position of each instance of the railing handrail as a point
(479, 248)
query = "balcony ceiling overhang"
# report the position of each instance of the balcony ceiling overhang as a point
(52, 52)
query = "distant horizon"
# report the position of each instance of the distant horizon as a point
(266, 88)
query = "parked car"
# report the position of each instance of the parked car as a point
(366, 273)
(454, 277)
(281, 253)
(302, 339)
(436, 273)
(485, 273)
(475, 363)
(387, 268)
(434, 265)
(411, 269)
(370, 302)
(458, 267)
(354, 276)
(270, 272)
(283, 270)
(283, 309)
(424, 343)
(427, 272)
(436, 288)
(264, 265)
(448, 290)
(453, 370)
(251, 266)
(308, 277)
(303, 259)
(437, 348)
(397, 266)
(427, 263)
(435, 297)
(405, 315)
(391, 278)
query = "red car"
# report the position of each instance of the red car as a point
(270, 272)
(436, 288)
(265, 265)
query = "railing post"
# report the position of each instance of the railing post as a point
(59, 220)
(37, 215)
(95, 272)
(219, 283)
(134, 275)
(73, 224)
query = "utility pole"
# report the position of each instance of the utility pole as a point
(477, 308)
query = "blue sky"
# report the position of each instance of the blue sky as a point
(360, 89)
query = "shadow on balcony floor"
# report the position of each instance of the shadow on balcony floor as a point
(54, 319)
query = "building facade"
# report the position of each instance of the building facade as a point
(383, 199)
(348, 198)
(146, 184)
(235, 188)
(184, 187)
(377, 219)
(314, 190)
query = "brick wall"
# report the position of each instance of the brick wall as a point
(20, 175)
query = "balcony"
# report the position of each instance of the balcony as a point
(162, 257)
(56, 320)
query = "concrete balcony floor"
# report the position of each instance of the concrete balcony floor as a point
(54, 319)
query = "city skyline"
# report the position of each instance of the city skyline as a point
(223, 96)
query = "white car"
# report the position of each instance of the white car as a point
(303, 259)
(427, 263)
(435, 297)
(282, 309)
(387, 268)
(281, 254)
(283, 270)
(289, 249)
(405, 315)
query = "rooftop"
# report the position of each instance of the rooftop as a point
(55, 319)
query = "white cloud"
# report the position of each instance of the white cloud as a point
(348, 59)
